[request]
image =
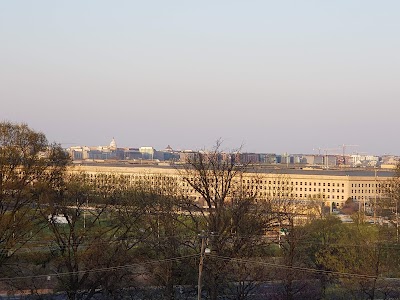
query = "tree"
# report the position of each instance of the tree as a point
(232, 218)
(168, 238)
(350, 207)
(27, 164)
(289, 215)
(390, 202)
(362, 253)
(320, 246)
(91, 243)
(294, 217)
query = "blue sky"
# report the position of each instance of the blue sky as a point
(273, 76)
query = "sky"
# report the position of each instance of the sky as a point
(294, 76)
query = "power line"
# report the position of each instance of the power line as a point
(99, 270)
(341, 274)
(239, 260)
(41, 247)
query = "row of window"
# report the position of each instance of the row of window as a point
(295, 189)
(308, 196)
(319, 190)
(366, 191)
(274, 182)
(379, 185)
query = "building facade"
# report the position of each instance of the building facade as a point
(331, 187)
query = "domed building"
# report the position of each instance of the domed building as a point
(113, 145)
(169, 149)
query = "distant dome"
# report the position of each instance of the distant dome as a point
(113, 144)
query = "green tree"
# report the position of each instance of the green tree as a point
(357, 256)
(321, 247)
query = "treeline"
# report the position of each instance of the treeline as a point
(64, 236)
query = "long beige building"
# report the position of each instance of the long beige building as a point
(333, 187)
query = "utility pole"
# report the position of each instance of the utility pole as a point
(397, 222)
(375, 198)
(203, 237)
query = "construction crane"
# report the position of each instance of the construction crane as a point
(326, 155)
(344, 151)
(319, 150)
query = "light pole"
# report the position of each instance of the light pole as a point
(84, 213)
(203, 250)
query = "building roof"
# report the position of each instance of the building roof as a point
(329, 172)
(267, 170)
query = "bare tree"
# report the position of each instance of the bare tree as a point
(289, 215)
(231, 216)
(389, 204)
(28, 164)
(91, 235)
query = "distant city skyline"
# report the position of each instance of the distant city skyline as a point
(347, 150)
(149, 155)
(273, 76)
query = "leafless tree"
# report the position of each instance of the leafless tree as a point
(230, 216)
(28, 163)
(93, 229)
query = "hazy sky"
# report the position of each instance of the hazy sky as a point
(275, 76)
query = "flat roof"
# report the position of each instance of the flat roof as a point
(355, 172)
(328, 172)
